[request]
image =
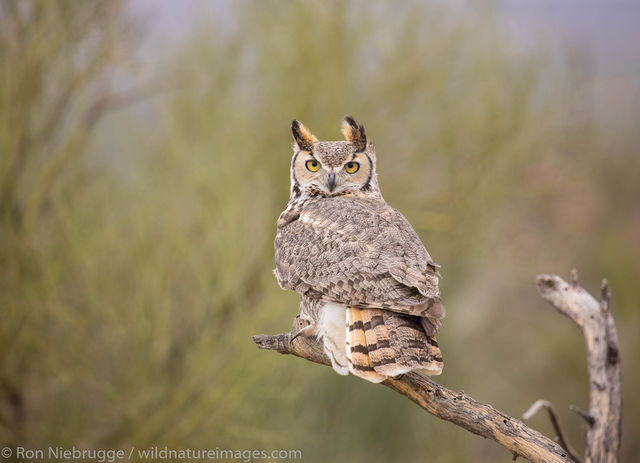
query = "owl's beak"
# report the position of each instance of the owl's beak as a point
(332, 181)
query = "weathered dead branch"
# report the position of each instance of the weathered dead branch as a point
(603, 361)
(484, 420)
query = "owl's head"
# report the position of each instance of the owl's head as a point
(332, 168)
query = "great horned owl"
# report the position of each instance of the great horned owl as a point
(368, 288)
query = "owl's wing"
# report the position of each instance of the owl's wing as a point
(360, 252)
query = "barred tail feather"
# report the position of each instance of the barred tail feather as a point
(435, 365)
(357, 350)
(382, 343)
(411, 344)
(383, 357)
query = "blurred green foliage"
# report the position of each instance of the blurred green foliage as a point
(136, 245)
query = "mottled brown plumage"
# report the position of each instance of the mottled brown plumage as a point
(367, 285)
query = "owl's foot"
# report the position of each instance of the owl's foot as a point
(301, 327)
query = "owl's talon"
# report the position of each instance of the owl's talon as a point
(301, 327)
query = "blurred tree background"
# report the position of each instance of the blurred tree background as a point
(142, 172)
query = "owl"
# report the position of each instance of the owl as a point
(368, 288)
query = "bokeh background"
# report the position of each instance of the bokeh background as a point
(144, 159)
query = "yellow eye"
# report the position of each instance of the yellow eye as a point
(352, 167)
(312, 165)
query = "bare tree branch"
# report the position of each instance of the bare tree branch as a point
(482, 419)
(588, 418)
(456, 407)
(562, 440)
(603, 362)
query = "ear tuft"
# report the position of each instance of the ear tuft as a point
(354, 133)
(303, 136)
